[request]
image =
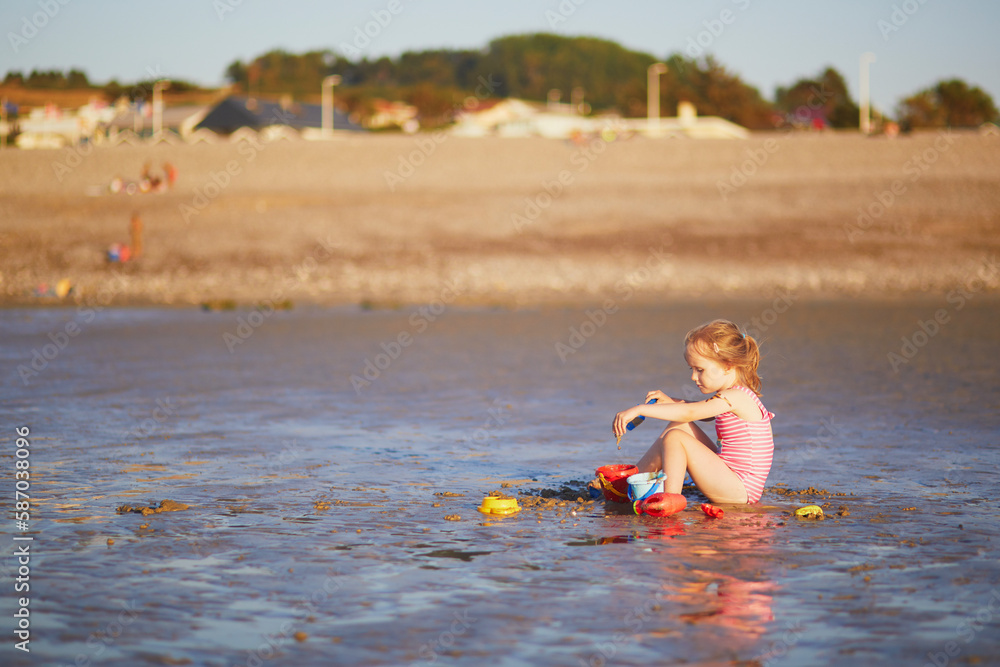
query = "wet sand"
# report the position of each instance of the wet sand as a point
(402, 220)
(329, 525)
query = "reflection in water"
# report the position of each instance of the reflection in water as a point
(666, 528)
(721, 569)
(738, 604)
(728, 602)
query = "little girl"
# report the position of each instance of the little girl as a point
(723, 363)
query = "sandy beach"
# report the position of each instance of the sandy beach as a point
(395, 219)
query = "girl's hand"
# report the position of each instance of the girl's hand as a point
(659, 396)
(622, 419)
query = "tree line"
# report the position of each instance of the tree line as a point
(601, 73)
(76, 79)
(608, 76)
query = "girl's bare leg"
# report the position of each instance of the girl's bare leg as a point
(652, 460)
(685, 448)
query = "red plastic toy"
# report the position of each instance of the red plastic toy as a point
(711, 510)
(660, 504)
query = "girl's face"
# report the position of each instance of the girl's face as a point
(708, 374)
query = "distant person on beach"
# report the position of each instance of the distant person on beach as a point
(723, 363)
(171, 173)
(135, 231)
(146, 178)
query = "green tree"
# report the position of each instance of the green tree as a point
(113, 90)
(236, 74)
(528, 66)
(950, 103)
(45, 79)
(444, 69)
(714, 91)
(77, 79)
(824, 97)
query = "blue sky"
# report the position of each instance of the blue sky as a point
(916, 42)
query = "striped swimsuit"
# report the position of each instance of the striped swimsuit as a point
(747, 447)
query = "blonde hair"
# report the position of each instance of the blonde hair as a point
(722, 341)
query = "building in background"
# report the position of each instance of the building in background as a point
(520, 118)
(235, 113)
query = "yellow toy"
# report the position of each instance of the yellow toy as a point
(810, 512)
(499, 506)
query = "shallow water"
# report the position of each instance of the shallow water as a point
(312, 505)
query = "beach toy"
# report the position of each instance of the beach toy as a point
(632, 424)
(638, 420)
(660, 504)
(645, 484)
(499, 506)
(614, 481)
(711, 510)
(63, 288)
(810, 512)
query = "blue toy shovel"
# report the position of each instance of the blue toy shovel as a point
(632, 424)
(638, 420)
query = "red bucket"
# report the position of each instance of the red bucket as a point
(614, 481)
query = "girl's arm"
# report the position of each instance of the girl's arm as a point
(675, 412)
(663, 398)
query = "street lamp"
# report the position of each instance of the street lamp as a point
(866, 119)
(653, 73)
(158, 105)
(328, 84)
